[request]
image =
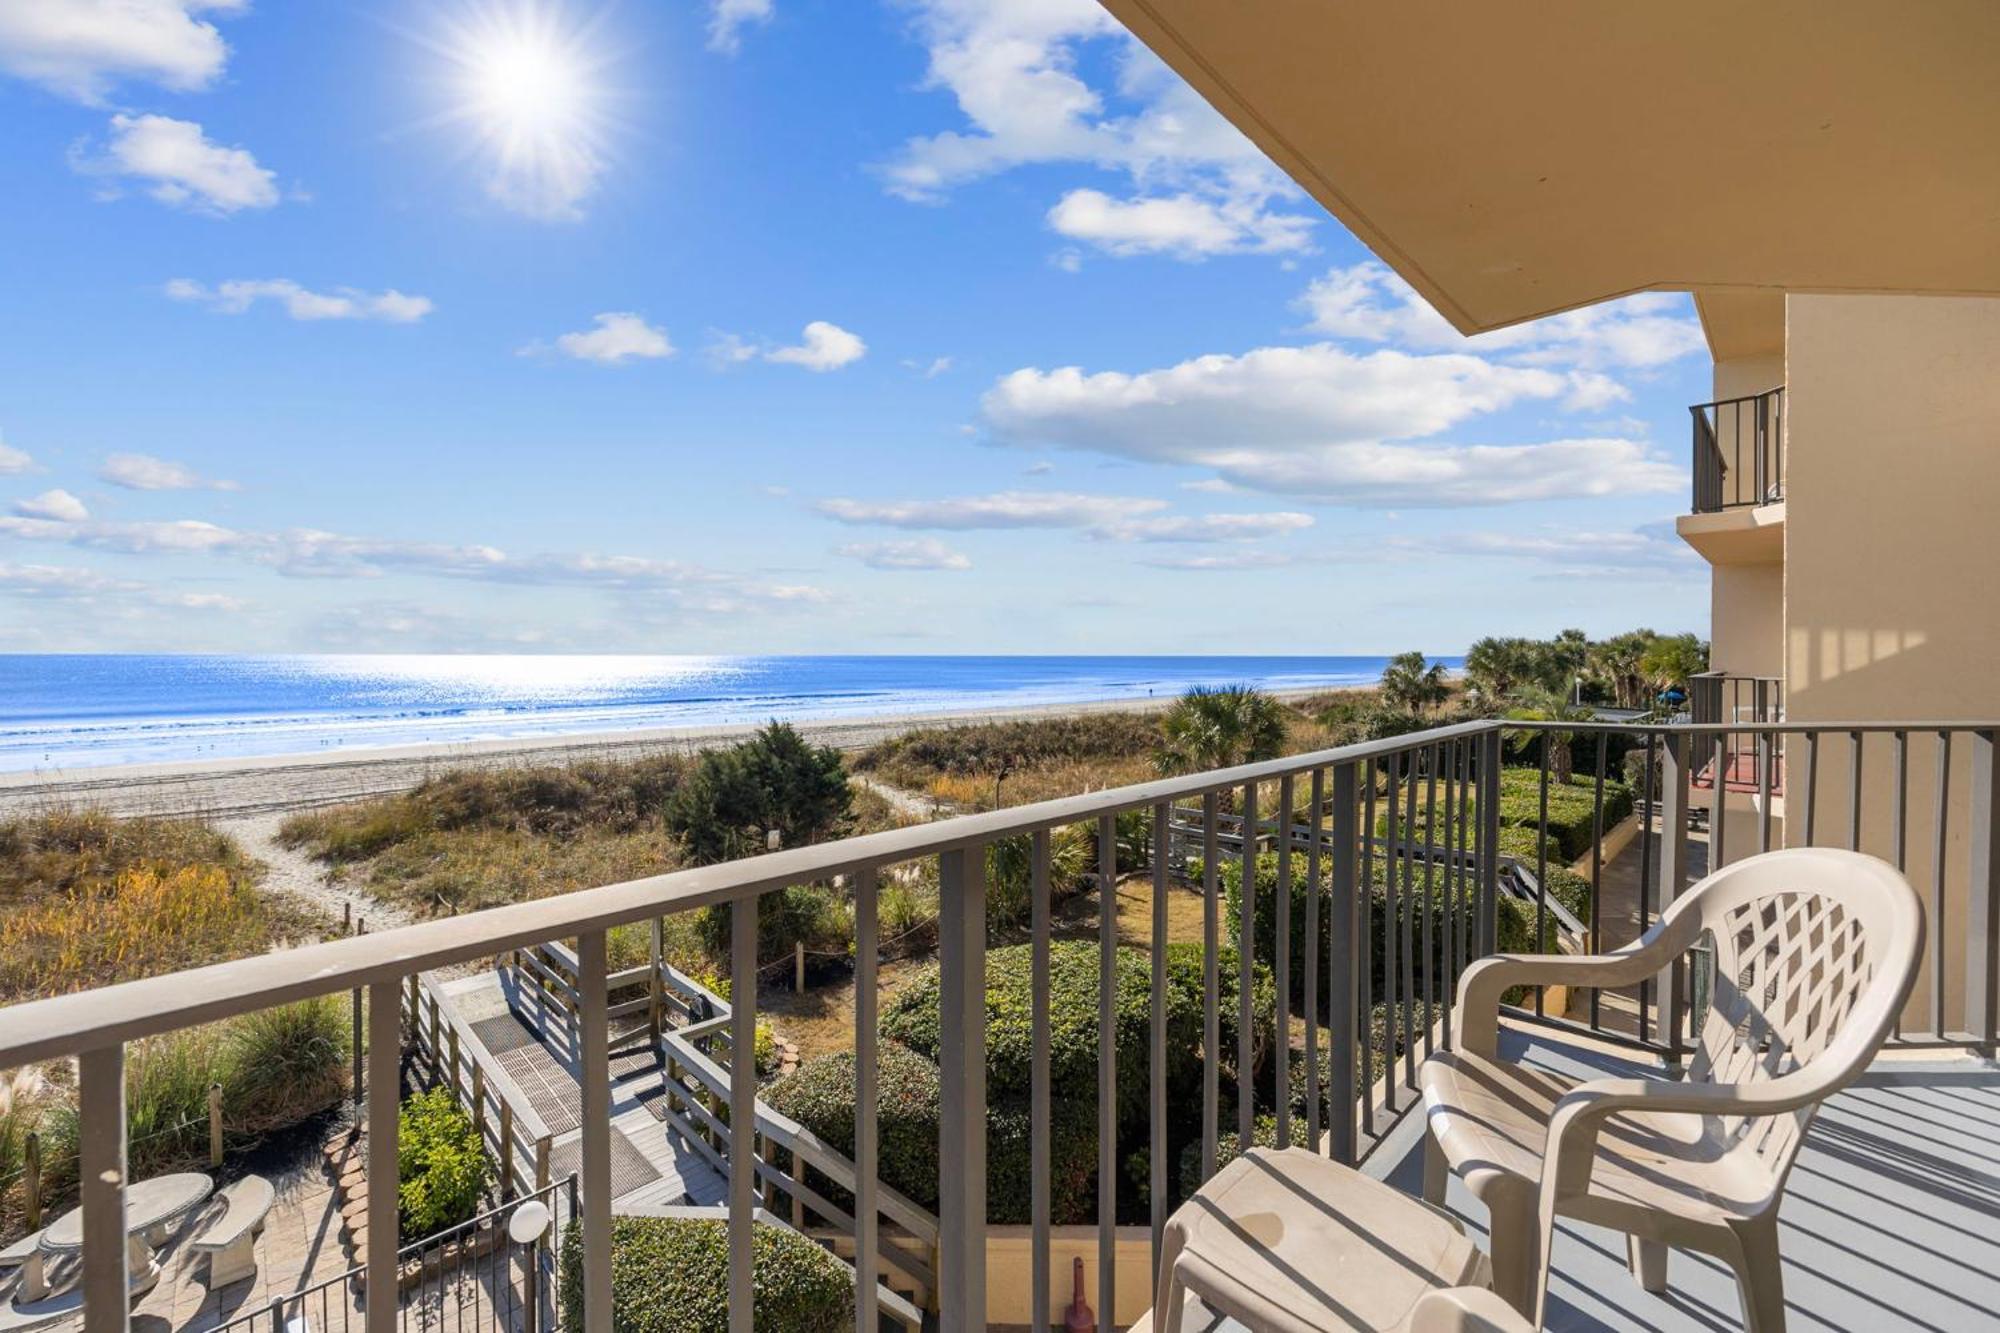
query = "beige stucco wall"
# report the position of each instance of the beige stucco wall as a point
(1747, 620)
(1891, 538)
(1744, 375)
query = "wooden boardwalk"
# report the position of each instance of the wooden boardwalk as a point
(649, 1165)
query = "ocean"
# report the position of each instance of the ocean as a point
(60, 710)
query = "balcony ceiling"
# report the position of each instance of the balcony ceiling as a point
(1518, 157)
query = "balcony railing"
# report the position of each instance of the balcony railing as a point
(1401, 840)
(1739, 451)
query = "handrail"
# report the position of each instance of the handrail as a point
(1750, 471)
(100, 1019)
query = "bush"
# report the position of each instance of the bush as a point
(441, 1165)
(773, 782)
(796, 914)
(819, 1094)
(912, 1019)
(1010, 872)
(671, 1275)
(277, 1067)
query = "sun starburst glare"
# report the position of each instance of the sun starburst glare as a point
(527, 80)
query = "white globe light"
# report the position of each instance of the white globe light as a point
(527, 1223)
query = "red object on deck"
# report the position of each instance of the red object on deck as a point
(1078, 1318)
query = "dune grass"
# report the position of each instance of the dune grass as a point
(87, 899)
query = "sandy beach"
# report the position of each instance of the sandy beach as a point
(246, 788)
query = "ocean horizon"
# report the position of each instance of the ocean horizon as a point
(90, 710)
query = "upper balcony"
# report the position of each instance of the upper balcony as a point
(1738, 513)
(1100, 1105)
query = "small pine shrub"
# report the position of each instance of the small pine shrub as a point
(671, 1275)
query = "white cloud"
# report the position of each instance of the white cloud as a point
(143, 472)
(1017, 73)
(931, 369)
(1651, 548)
(311, 553)
(181, 167)
(620, 336)
(1223, 563)
(58, 505)
(1206, 527)
(728, 18)
(1185, 225)
(1324, 424)
(89, 587)
(1370, 303)
(238, 295)
(80, 48)
(824, 347)
(13, 461)
(920, 553)
(1005, 509)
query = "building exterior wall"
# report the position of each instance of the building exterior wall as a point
(1891, 538)
(1747, 620)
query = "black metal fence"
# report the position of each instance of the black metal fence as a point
(1739, 455)
(472, 1278)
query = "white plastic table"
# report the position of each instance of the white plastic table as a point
(151, 1207)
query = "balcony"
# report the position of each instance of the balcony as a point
(1406, 846)
(1739, 452)
(1750, 761)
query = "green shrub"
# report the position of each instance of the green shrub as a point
(819, 1094)
(441, 1165)
(287, 1062)
(1010, 872)
(773, 782)
(671, 1275)
(807, 914)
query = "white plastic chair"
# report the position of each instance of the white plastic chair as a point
(1815, 952)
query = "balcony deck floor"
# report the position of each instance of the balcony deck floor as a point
(1891, 1219)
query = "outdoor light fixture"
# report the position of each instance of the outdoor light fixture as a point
(527, 1223)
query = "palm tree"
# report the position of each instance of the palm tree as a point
(1219, 728)
(1619, 663)
(1409, 682)
(1671, 660)
(1554, 706)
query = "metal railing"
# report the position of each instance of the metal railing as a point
(470, 1273)
(1401, 856)
(1739, 451)
(1721, 696)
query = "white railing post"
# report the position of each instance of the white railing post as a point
(593, 1036)
(962, 1047)
(385, 1050)
(101, 1116)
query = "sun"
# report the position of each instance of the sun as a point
(527, 87)
(527, 80)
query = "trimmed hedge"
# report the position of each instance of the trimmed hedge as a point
(819, 1094)
(671, 1275)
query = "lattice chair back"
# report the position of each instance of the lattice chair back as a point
(1815, 952)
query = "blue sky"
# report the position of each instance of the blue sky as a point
(756, 326)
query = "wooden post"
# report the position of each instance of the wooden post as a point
(215, 1124)
(478, 1097)
(31, 1179)
(506, 1148)
(451, 1046)
(437, 1035)
(541, 1163)
(798, 1202)
(799, 965)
